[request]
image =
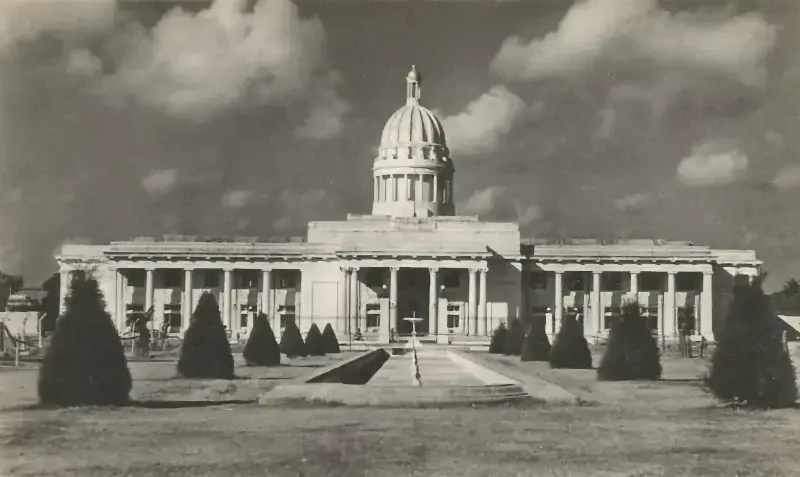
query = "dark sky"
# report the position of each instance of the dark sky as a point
(611, 118)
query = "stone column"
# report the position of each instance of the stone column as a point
(433, 301)
(119, 304)
(188, 302)
(480, 329)
(472, 316)
(669, 317)
(341, 308)
(706, 324)
(112, 299)
(226, 301)
(597, 314)
(558, 313)
(63, 291)
(436, 188)
(393, 323)
(352, 325)
(266, 302)
(635, 285)
(123, 305)
(148, 296)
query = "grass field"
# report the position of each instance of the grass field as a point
(662, 428)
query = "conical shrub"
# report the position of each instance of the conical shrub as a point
(536, 346)
(314, 344)
(515, 337)
(632, 351)
(329, 340)
(570, 349)
(292, 344)
(85, 363)
(498, 343)
(750, 366)
(261, 348)
(205, 352)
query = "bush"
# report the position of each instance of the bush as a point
(85, 362)
(536, 346)
(261, 348)
(570, 349)
(329, 340)
(205, 352)
(515, 337)
(292, 341)
(314, 344)
(632, 351)
(498, 343)
(750, 366)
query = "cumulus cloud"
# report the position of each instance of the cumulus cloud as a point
(301, 207)
(193, 66)
(640, 29)
(26, 20)
(496, 202)
(631, 201)
(159, 182)
(787, 178)
(484, 122)
(237, 199)
(712, 163)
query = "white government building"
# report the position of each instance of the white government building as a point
(413, 256)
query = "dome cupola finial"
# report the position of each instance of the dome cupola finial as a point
(413, 90)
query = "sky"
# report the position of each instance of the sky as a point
(590, 118)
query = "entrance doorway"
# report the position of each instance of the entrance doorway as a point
(413, 290)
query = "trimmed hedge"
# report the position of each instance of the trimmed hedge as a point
(205, 352)
(632, 351)
(330, 340)
(498, 343)
(570, 349)
(85, 362)
(314, 344)
(536, 346)
(262, 348)
(292, 344)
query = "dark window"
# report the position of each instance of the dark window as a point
(575, 281)
(286, 279)
(612, 281)
(373, 315)
(248, 278)
(689, 282)
(651, 281)
(453, 315)
(538, 280)
(136, 278)
(373, 277)
(612, 314)
(172, 279)
(211, 279)
(286, 313)
(451, 278)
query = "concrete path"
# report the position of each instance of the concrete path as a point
(436, 368)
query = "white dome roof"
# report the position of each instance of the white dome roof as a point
(413, 130)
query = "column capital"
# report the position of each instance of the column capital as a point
(188, 269)
(266, 270)
(149, 268)
(394, 269)
(708, 272)
(433, 270)
(344, 269)
(228, 269)
(473, 270)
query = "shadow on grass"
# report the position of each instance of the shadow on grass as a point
(156, 404)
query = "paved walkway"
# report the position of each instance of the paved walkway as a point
(436, 368)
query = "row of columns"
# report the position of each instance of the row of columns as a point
(349, 301)
(667, 325)
(229, 319)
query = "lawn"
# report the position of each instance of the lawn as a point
(662, 428)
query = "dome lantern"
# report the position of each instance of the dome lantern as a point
(413, 89)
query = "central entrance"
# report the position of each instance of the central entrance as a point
(413, 299)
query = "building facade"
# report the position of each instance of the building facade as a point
(413, 257)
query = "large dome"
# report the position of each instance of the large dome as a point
(413, 174)
(413, 131)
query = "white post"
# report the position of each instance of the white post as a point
(669, 306)
(472, 320)
(433, 301)
(188, 302)
(597, 315)
(266, 290)
(341, 309)
(559, 302)
(480, 329)
(352, 322)
(148, 297)
(63, 291)
(393, 299)
(706, 325)
(226, 300)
